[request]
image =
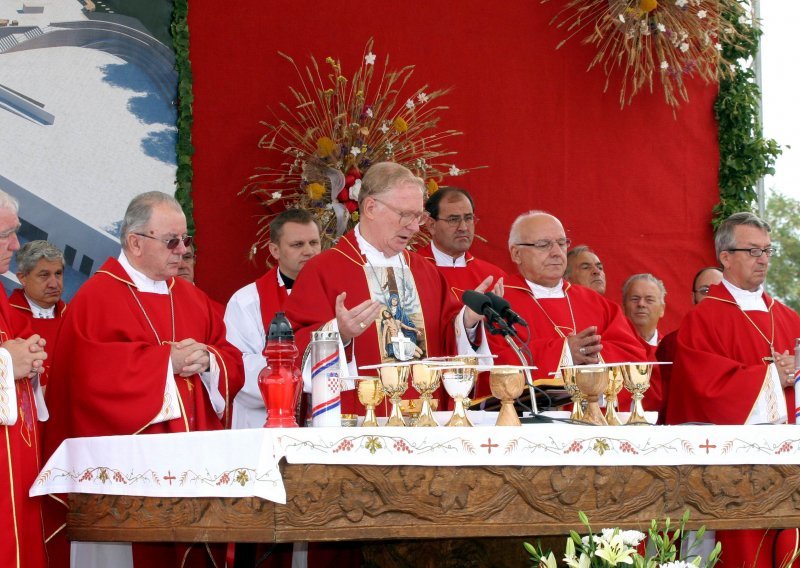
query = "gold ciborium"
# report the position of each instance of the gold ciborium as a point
(569, 374)
(636, 377)
(507, 383)
(592, 382)
(459, 381)
(370, 394)
(425, 380)
(612, 391)
(394, 379)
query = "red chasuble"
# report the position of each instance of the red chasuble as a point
(718, 373)
(21, 534)
(109, 369)
(461, 278)
(553, 319)
(46, 327)
(344, 269)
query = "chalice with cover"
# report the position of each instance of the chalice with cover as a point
(636, 377)
(370, 394)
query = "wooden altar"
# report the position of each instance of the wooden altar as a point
(367, 502)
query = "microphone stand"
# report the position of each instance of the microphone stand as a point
(508, 332)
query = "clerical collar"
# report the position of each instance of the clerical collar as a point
(653, 339)
(285, 281)
(142, 282)
(374, 256)
(444, 259)
(539, 292)
(747, 300)
(39, 312)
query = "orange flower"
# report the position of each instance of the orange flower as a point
(648, 5)
(400, 125)
(315, 191)
(432, 186)
(325, 146)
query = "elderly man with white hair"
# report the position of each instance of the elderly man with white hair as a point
(21, 407)
(569, 325)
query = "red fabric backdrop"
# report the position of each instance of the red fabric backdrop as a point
(636, 184)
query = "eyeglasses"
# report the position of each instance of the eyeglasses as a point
(547, 245)
(702, 290)
(756, 252)
(12, 231)
(406, 217)
(173, 242)
(456, 220)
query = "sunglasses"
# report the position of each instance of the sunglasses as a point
(173, 242)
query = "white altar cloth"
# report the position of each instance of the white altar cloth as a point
(240, 463)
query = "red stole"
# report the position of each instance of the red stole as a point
(45, 327)
(272, 296)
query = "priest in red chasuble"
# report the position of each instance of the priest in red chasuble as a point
(142, 352)
(451, 223)
(22, 355)
(734, 363)
(388, 304)
(40, 270)
(568, 324)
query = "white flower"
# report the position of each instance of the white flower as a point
(355, 190)
(677, 564)
(702, 14)
(718, 46)
(684, 47)
(664, 65)
(369, 113)
(384, 127)
(742, 19)
(454, 171)
(614, 550)
(410, 104)
(681, 3)
(389, 147)
(621, 18)
(629, 538)
(355, 150)
(276, 195)
(422, 98)
(661, 27)
(369, 58)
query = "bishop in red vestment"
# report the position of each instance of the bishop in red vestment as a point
(141, 351)
(568, 324)
(734, 364)
(21, 406)
(388, 304)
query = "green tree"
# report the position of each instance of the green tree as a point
(783, 214)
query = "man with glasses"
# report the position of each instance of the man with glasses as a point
(22, 356)
(142, 351)
(568, 325)
(451, 224)
(734, 362)
(348, 287)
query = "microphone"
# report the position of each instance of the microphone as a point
(502, 307)
(481, 304)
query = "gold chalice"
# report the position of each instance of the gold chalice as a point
(425, 380)
(507, 383)
(614, 386)
(569, 374)
(636, 377)
(394, 379)
(592, 381)
(370, 394)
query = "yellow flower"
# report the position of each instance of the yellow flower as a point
(354, 216)
(432, 186)
(325, 146)
(315, 191)
(648, 5)
(400, 125)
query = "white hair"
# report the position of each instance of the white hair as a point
(513, 234)
(8, 202)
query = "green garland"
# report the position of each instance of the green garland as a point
(745, 155)
(184, 148)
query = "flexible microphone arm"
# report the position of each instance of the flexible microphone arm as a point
(528, 378)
